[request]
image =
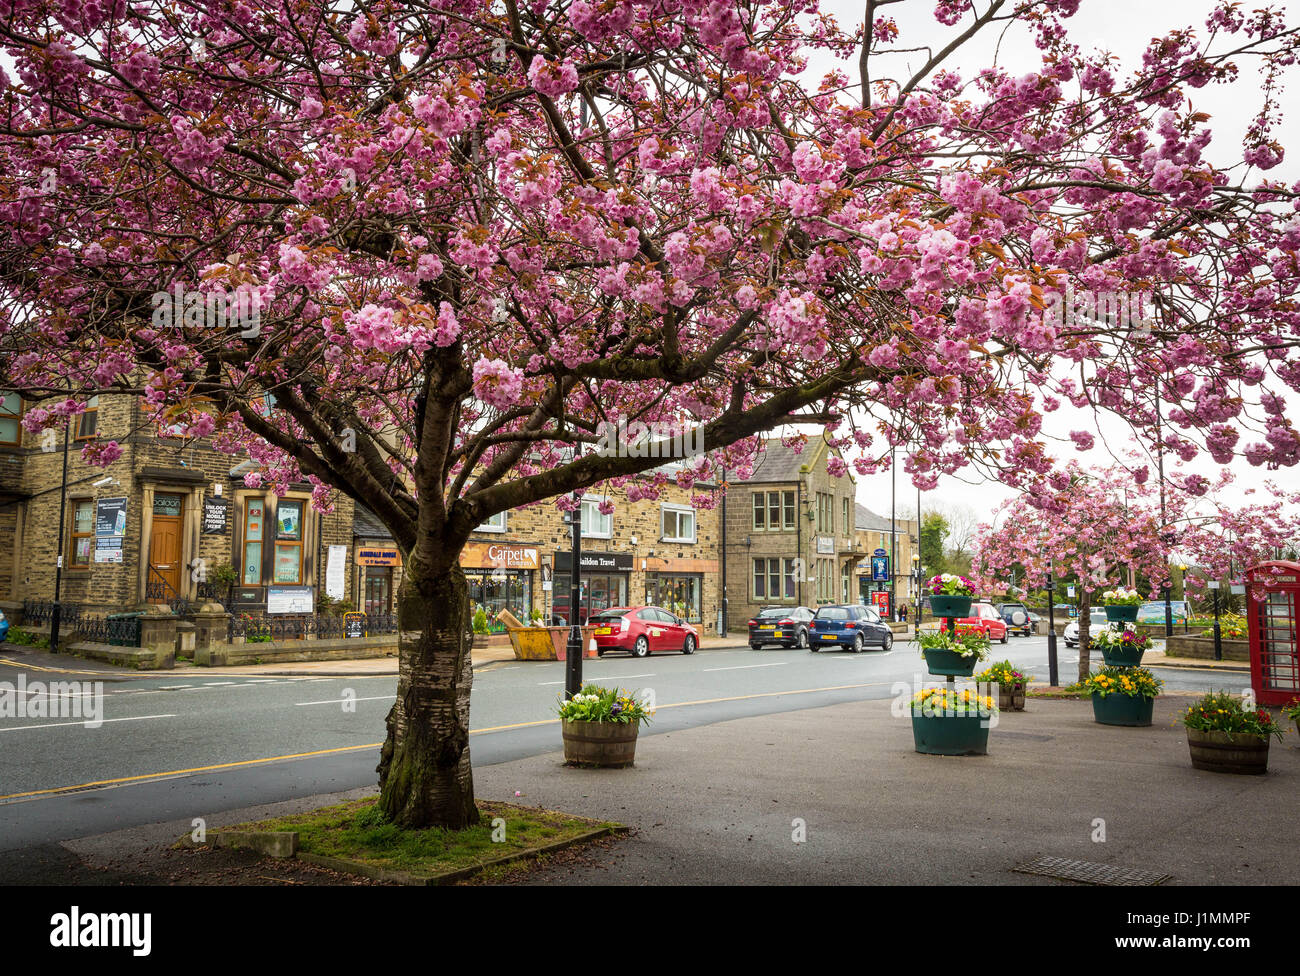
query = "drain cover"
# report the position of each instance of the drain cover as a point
(1089, 872)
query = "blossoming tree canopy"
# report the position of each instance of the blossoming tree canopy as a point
(419, 254)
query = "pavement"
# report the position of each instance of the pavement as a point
(837, 795)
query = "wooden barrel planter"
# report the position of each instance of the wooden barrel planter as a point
(950, 735)
(610, 745)
(1228, 752)
(1011, 698)
(949, 663)
(1122, 614)
(1121, 657)
(1117, 709)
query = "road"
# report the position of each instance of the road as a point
(197, 743)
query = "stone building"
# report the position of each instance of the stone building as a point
(169, 520)
(791, 535)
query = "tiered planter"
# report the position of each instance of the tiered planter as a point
(950, 735)
(1117, 709)
(1126, 615)
(611, 745)
(1118, 658)
(950, 664)
(1228, 752)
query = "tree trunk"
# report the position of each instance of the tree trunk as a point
(424, 769)
(1085, 617)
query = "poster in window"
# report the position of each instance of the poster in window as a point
(288, 518)
(252, 563)
(254, 530)
(286, 564)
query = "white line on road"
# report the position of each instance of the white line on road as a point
(338, 701)
(743, 667)
(217, 684)
(622, 676)
(55, 725)
(543, 683)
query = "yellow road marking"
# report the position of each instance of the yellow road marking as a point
(37, 667)
(375, 745)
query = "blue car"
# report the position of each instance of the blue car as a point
(850, 625)
(4, 626)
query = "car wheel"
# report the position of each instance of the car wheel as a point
(641, 648)
(755, 647)
(803, 640)
(1006, 636)
(857, 643)
(689, 646)
(599, 653)
(887, 641)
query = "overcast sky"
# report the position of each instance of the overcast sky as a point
(1122, 27)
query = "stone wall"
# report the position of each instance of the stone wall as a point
(1189, 645)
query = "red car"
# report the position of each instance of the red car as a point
(641, 631)
(986, 619)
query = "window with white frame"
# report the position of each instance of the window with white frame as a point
(497, 523)
(677, 523)
(594, 524)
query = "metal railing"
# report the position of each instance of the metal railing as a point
(120, 629)
(259, 629)
(158, 590)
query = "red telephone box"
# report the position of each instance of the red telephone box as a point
(1272, 595)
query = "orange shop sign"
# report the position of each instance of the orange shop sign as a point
(378, 556)
(492, 555)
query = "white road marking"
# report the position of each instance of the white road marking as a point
(622, 676)
(339, 701)
(544, 683)
(55, 725)
(743, 667)
(217, 684)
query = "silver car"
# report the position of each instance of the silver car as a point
(1096, 621)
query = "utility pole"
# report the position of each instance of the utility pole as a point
(573, 648)
(893, 539)
(1053, 678)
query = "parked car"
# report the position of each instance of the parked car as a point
(1016, 617)
(787, 626)
(987, 620)
(1154, 612)
(851, 625)
(641, 631)
(1096, 621)
(1034, 621)
(4, 626)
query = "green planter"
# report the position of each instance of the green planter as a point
(949, 663)
(950, 606)
(1117, 709)
(950, 735)
(1122, 614)
(1120, 658)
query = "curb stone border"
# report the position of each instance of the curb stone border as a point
(284, 844)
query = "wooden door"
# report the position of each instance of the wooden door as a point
(165, 541)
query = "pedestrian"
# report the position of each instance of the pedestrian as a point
(902, 613)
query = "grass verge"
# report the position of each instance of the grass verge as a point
(356, 831)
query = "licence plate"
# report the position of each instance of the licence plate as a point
(776, 633)
(828, 636)
(604, 631)
(765, 626)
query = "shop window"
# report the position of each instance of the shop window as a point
(88, 422)
(678, 594)
(677, 524)
(82, 541)
(11, 413)
(288, 542)
(254, 531)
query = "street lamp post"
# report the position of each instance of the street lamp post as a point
(1052, 675)
(916, 559)
(1169, 608)
(573, 648)
(56, 610)
(1218, 636)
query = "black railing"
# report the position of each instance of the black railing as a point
(261, 629)
(158, 590)
(116, 629)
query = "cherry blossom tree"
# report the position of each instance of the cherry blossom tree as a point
(1099, 529)
(420, 253)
